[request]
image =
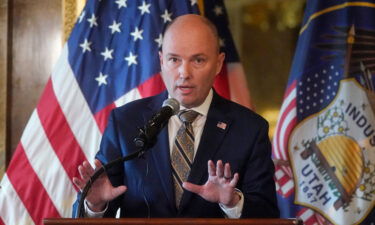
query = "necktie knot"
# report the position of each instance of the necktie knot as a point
(187, 116)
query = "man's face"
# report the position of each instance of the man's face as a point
(189, 63)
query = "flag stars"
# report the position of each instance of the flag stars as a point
(101, 79)
(85, 46)
(145, 8)
(131, 59)
(121, 3)
(92, 20)
(137, 34)
(107, 54)
(115, 27)
(159, 40)
(218, 10)
(166, 16)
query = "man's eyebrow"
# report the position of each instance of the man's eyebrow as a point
(199, 55)
(193, 56)
(173, 54)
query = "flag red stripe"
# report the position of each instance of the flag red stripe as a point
(291, 87)
(284, 114)
(307, 219)
(101, 117)
(221, 83)
(59, 133)
(1, 222)
(29, 188)
(152, 86)
(288, 130)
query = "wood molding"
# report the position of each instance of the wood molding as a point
(3, 82)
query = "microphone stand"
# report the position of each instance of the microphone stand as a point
(142, 142)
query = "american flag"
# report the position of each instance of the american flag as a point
(335, 47)
(111, 58)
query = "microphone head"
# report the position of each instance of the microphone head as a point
(173, 104)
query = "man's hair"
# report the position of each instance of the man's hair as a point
(206, 21)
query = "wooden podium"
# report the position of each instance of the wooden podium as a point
(169, 221)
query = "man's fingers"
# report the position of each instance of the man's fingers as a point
(82, 171)
(227, 171)
(211, 168)
(97, 164)
(233, 182)
(219, 168)
(79, 183)
(197, 189)
(88, 168)
(117, 191)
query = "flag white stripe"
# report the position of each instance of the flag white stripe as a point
(278, 141)
(307, 214)
(128, 97)
(11, 207)
(74, 106)
(48, 167)
(279, 174)
(287, 120)
(288, 99)
(285, 188)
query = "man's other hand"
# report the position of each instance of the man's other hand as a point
(220, 186)
(101, 190)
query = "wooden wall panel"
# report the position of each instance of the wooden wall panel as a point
(3, 81)
(36, 45)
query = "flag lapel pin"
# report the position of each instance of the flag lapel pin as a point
(221, 125)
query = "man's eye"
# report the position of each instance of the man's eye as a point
(173, 59)
(199, 60)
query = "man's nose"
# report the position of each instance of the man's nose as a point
(184, 70)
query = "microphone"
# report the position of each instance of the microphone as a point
(147, 134)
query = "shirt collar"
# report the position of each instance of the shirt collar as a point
(202, 108)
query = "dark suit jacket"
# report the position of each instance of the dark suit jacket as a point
(244, 143)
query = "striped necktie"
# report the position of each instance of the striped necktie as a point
(183, 152)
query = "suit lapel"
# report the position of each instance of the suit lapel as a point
(160, 153)
(215, 129)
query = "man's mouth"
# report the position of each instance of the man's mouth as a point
(185, 89)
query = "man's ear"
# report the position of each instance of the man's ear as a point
(220, 62)
(161, 57)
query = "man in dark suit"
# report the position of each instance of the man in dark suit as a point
(188, 172)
